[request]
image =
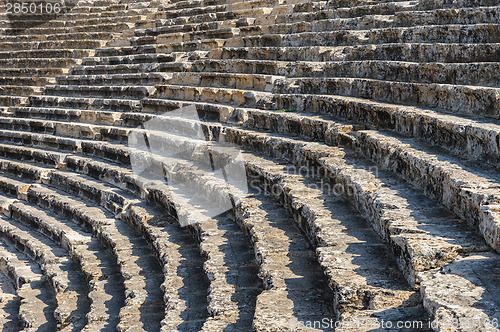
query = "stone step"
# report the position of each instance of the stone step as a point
(406, 121)
(232, 270)
(476, 142)
(6, 101)
(44, 157)
(100, 171)
(35, 72)
(77, 23)
(18, 90)
(368, 284)
(42, 140)
(174, 13)
(351, 12)
(457, 15)
(39, 196)
(471, 191)
(190, 46)
(230, 10)
(106, 291)
(473, 73)
(193, 4)
(209, 231)
(141, 79)
(111, 51)
(26, 172)
(239, 81)
(229, 96)
(110, 198)
(49, 53)
(131, 68)
(142, 277)
(203, 18)
(134, 215)
(66, 279)
(403, 14)
(147, 58)
(295, 289)
(391, 201)
(437, 4)
(464, 276)
(270, 120)
(120, 118)
(100, 27)
(5, 111)
(185, 285)
(175, 37)
(358, 23)
(216, 306)
(354, 3)
(85, 103)
(38, 62)
(84, 8)
(71, 16)
(465, 199)
(152, 105)
(229, 263)
(415, 52)
(91, 190)
(25, 81)
(131, 92)
(240, 5)
(472, 33)
(266, 67)
(9, 305)
(461, 99)
(214, 257)
(162, 27)
(66, 43)
(59, 37)
(125, 119)
(36, 296)
(14, 188)
(208, 111)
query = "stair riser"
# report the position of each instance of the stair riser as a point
(474, 101)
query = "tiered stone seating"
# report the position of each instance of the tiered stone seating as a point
(361, 124)
(37, 302)
(38, 46)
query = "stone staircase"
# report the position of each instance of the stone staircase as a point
(36, 47)
(368, 131)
